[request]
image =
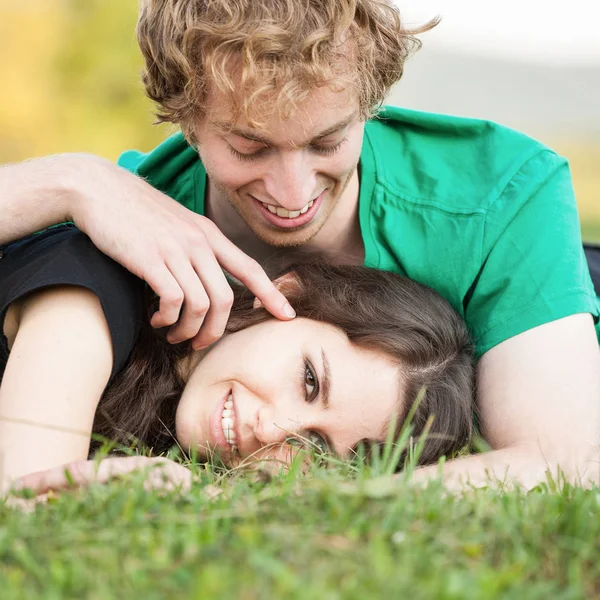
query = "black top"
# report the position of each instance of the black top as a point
(65, 256)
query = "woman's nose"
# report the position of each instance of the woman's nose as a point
(272, 426)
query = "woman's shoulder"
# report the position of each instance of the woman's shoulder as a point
(65, 256)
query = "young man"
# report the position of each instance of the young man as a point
(278, 153)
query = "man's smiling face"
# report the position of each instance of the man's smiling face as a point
(285, 178)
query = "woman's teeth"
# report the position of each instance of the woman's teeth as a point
(288, 214)
(228, 422)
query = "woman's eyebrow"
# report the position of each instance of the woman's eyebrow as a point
(325, 380)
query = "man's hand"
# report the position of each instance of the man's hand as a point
(161, 474)
(178, 253)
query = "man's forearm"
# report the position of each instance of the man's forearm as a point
(523, 466)
(38, 193)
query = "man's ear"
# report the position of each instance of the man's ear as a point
(288, 284)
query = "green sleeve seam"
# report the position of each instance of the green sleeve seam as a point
(423, 203)
(431, 203)
(497, 197)
(491, 215)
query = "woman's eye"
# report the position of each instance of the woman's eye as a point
(317, 442)
(310, 382)
(309, 440)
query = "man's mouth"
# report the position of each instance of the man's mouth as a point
(284, 212)
(280, 217)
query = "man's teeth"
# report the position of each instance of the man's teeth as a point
(284, 212)
(228, 422)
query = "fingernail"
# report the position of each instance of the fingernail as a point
(288, 311)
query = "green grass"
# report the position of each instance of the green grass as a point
(317, 536)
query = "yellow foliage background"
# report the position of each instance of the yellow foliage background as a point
(69, 77)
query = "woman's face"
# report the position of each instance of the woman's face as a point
(279, 380)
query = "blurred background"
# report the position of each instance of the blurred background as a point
(69, 77)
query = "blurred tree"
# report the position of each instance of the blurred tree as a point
(71, 79)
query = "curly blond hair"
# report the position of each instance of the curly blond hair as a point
(265, 47)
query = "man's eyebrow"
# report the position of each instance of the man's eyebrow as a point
(252, 136)
(325, 380)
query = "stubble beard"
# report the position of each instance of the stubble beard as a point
(289, 238)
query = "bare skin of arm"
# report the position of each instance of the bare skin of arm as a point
(59, 365)
(178, 253)
(538, 397)
(539, 403)
(538, 392)
(60, 362)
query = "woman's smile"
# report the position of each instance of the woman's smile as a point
(228, 422)
(272, 382)
(221, 423)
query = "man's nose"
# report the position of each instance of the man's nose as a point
(291, 180)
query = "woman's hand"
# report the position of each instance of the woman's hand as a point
(161, 474)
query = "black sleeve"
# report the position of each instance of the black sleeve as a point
(65, 256)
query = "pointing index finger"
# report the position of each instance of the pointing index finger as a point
(252, 275)
(272, 299)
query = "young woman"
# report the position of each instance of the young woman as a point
(78, 356)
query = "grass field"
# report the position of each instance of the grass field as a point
(318, 536)
(72, 84)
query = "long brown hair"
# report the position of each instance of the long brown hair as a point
(377, 310)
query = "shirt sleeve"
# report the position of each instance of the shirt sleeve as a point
(65, 256)
(131, 160)
(533, 269)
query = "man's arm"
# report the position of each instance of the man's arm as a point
(178, 253)
(38, 193)
(539, 408)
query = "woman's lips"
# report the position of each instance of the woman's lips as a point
(216, 429)
(294, 223)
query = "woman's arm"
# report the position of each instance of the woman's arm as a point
(539, 403)
(60, 362)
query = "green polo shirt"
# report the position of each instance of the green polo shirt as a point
(484, 215)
